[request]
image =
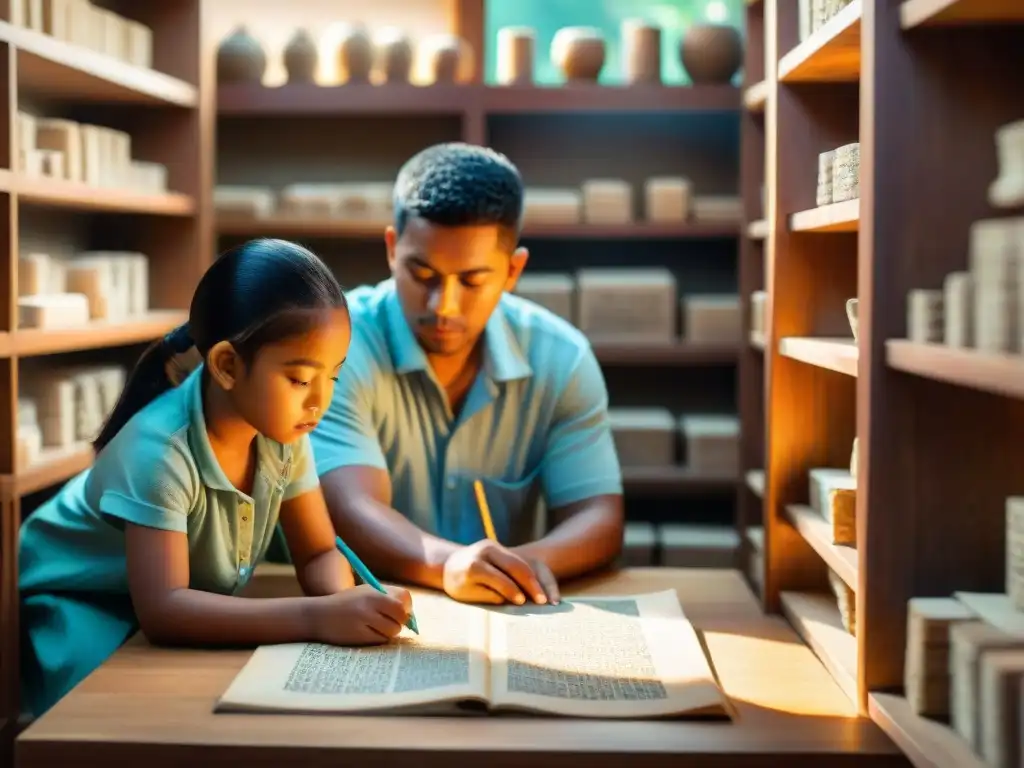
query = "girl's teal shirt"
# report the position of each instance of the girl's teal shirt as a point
(158, 471)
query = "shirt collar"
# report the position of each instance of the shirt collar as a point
(503, 357)
(210, 471)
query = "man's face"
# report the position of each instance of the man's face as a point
(450, 279)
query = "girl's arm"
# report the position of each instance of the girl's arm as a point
(319, 566)
(171, 613)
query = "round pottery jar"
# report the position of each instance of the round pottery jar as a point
(300, 57)
(579, 52)
(355, 56)
(394, 54)
(240, 58)
(711, 53)
(446, 58)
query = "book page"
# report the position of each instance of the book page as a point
(628, 656)
(447, 662)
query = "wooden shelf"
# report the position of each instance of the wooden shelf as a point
(755, 481)
(1001, 374)
(832, 54)
(834, 354)
(815, 617)
(678, 353)
(290, 226)
(31, 342)
(511, 100)
(56, 69)
(927, 13)
(837, 217)
(815, 531)
(675, 481)
(56, 193)
(55, 466)
(755, 537)
(756, 96)
(405, 100)
(926, 743)
(757, 230)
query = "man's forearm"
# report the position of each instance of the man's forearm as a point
(588, 538)
(391, 546)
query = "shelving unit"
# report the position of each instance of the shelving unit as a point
(557, 136)
(759, 74)
(938, 428)
(163, 111)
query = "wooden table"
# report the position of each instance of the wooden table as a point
(154, 707)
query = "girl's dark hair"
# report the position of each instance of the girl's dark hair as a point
(252, 295)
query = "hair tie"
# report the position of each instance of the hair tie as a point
(184, 357)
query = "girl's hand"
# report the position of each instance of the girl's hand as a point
(359, 616)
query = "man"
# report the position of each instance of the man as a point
(450, 380)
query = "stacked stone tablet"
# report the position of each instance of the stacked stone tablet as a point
(711, 318)
(958, 310)
(627, 304)
(926, 670)
(697, 546)
(925, 323)
(846, 173)
(711, 443)
(1015, 551)
(667, 199)
(644, 437)
(995, 265)
(607, 201)
(555, 292)
(833, 495)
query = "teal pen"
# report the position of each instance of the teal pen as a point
(368, 578)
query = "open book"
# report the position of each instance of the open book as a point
(609, 657)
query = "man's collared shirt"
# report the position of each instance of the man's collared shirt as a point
(534, 424)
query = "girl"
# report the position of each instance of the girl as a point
(193, 472)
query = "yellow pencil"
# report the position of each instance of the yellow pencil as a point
(485, 512)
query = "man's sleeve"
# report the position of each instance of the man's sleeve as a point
(580, 460)
(347, 436)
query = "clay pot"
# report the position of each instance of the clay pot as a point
(300, 58)
(355, 56)
(240, 58)
(394, 53)
(579, 52)
(446, 58)
(711, 53)
(516, 47)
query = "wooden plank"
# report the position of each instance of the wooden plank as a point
(836, 217)
(56, 69)
(831, 54)
(839, 355)
(816, 531)
(917, 13)
(1002, 374)
(815, 617)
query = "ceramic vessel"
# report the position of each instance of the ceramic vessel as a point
(240, 58)
(711, 53)
(578, 52)
(300, 58)
(355, 56)
(394, 53)
(851, 315)
(516, 46)
(446, 58)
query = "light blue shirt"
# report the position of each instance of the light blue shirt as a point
(534, 424)
(159, 471)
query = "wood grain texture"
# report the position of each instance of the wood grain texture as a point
(936, 460)
(155, 706)
(752, 251)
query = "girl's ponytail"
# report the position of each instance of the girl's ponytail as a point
(164, 365)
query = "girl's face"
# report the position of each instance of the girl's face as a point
(290, 383)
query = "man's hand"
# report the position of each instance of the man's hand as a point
(487, 572)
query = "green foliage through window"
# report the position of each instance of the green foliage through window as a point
(548, 16)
